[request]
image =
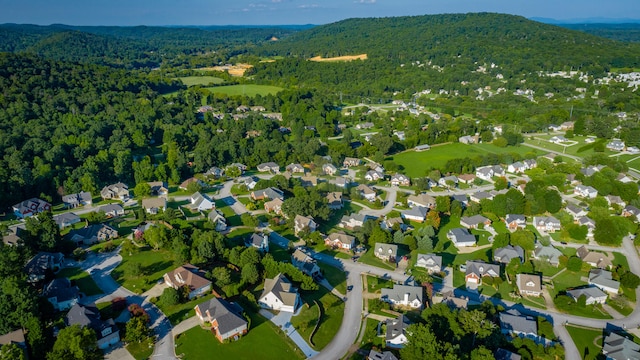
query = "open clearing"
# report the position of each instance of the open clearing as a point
(233, 70)
(200, 80)
(247, 90)
(340, 58)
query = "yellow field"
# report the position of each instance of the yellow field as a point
(233, 70)
(340, 58)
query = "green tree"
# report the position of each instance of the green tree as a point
(221, 276)
(169, 297)
(75, 343)
(248, 220)
(629, 280)
(142, 190)
(443, 204)
(501, 183)
(250, 274)
(422, 344)
(574, 264)
(137, 329)
(11, 351)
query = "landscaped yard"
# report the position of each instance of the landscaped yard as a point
(180, 312)
(370, 337)
(141, 351)
(337, 278)
(153, 265)
(82, 279)
(568, 279)
(332, 313)
(247, 90)
(375, 283)
(370, 259)
(263, 341)
(588, 341)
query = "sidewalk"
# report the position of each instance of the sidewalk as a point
(283, 321)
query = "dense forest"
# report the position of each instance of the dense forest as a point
(620, 32)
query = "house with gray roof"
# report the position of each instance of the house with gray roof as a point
(329, 169)
(31, 207)
(385, 355)
(603, 279)
(416, 213)
(585, 191)
(631, 211)
(258, 241)
(575, 211)
(111, 210)
(269, 167)
(269, 193)
(422, 200)
(400, 180)
(37, 268)
(279, 295)
(396, 335)
(386, 252)
(201, 202)
(515, 221)
(504, 354)
(593, 258)
(301, 223)
(618, 347)
(250, 182)
(160, 188)
(107, 332)
(403, 295)
(461, 237)
(354, 221)
(476, 270)
(218, 220)
(515, 324)
(431, 262)
(92, 234)
(479, 196)
(225, 318)
(118, 191)
(504, 255)
(79, 199)
(475, 221)
(547, 253)
(547, 223)
(295, 168)
(340, 240)
(61, 294)
(305, 263)
(66, 219)
(154, 205)
(529, 284)
(593, 295)
(188, 276)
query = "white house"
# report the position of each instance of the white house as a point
(592, 293)
(396, 336)
(340, 240)
(431, 262)
(279, 295)
(416, 213)
(400, 180)
(304, 222)
(329, 169)
(604, 281)
(616, 145)
(529, 284)
(201, 202)
(547, 223)
(585, 191)
(373, 175)
(367, 192)
(403, 295)
(461, 237)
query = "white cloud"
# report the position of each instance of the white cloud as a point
(308, 6)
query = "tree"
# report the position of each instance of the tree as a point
(629, 280)
(169, 297)
(249, 220)
(524, 238)
(398, 237)
(221, 276)
(501, 183)
(553, 201)
(378, 235)
(75, 343)
(142, 190)
(443, 204)
(456, 208)
(433, 219)
(232, 171)
(250, 274)
(422, 344)
(410, 241)
(11, 351)
(574, 264)
(137, 330)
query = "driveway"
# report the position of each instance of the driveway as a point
(283, 321)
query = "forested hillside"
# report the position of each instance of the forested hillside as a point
(620, 32)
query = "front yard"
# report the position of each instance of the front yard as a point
(588, 341)
(82, 279)
(179, 312)
(141, 270)
(332, 310)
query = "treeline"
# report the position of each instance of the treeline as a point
(620, 32)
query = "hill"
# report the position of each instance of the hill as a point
(621, 32)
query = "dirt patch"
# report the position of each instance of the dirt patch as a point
(340, 58)
(233, 70)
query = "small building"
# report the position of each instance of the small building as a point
(373, 175)
(385, 355)
(189, 276)
(269, 167)
(185, 184)
(529, 284)
(214, 172)
(218, 220)
(448, 181)
(349, 162)
(603, 280)
(386, 252)
(547, 223)
(107, 333)
(479, 196)
(61, 294)
(367, 192)
(159, 188)
(250, 182)
(66, 219)
(340, 240)
(269, 193)
(301, 223)
(17, 338)
(466, 178)
(274, 206)
(585, 191)
(309, 181)
(461, 237)
(403, 295)
(342, 182)
(575, 211)
(593, 295)
(329, 169)
(476, 270)
(547, 253)
(400, 180)
(515, 221)
(295, 168)
(431, 262)
(618, 347)
(354, 221)
(593, 258)
(616, 145)
(279, 295)
(258, 241)
(396, 335)
(474, 222)
(118, 191)
(225, 318)
(504, 255)
(111, 210)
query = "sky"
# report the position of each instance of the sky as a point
(281, 12)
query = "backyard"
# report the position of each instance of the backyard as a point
(141, 270)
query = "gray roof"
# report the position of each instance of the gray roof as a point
(548, 252)
(396, 327)
(603, 278)
(61, 289)
(228, 315)
(386, 249)
(270, 192)
(66, 218)
(473, 220)
(435, 259)
(513, 321)
(515, 217)
(281, 287)
(39, 264)
(256, 240)
(111, 208)
(503, 354)
(617, 347)
(89, 316)
(399, 291)
(507, 253)
(96, 231)
(385, 355)
(481, 268)
(416, 211)
(462, 235)
(589, 292)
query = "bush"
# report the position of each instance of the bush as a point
(629, 280)
(169, 297)
(574, 264)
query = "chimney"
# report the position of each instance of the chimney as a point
(406, 297)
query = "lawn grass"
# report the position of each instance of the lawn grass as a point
(568, 279)
(154, 264)
(180, 312)
(278, 253)
(332, 310)
(82, 279)
(337, 278)
(263, 341)
(370, 259)
(246, 90)
(374, 283)
(306, 320)
(200, 80)
(370, 337)
(142, 350)
(585, 340)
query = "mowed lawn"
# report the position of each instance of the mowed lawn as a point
(82, 279)
(153, 265)
(417, 163)
(263, 341)
(200, 80)
(588, 341)
(248, 90)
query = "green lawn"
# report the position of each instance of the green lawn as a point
(154, 264)
(247, 90)
(370, 259)
(588, 341)
(200, 80)
(263, 341)
(337, 278)
(306, 320)
(332, 310)
(568, 279)
(180, 312)
(375, 283)
(141, 351)
(82, 279)
(370, 337)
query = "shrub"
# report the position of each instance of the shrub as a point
(169, 297)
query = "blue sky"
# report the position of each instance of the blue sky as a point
(276, 12)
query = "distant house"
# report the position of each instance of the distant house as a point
(349, 162)
(66, 219)
(431, 262)
(44, 262)
(488, 172)
(469, 139)
(366, 192)
(250, 182)
(567, 125)
(390, 223)
(218, 220)
(74, 200)
(111, 210)
(396, 335)
(424, 200)
(615, 200)
(416, 213)
(461, 237)
(340, 240)
(400, 180)
(274, 206)
(461, 198)
(159, 188)
(603, 279)
(201, 202)
(529, 284)
(423, 147)
(305, 263)
(365, 125)
(631, 211)
(118, 191)
(295, 168)
(558, 139)
(61, 294)
(92, 234)
(214, 172)
(154, 205)
(269, 167)
(30, 207)
(585, 191)
(334, 200)
(373, 175)
(547, 253)
(185, 184)
(189, 276)
(625, 179)
(466, 178)
(479, 196)
(515, 324)
(301, 223)
(589, 223)
(547, 223)
(17, 338)
(616, 145)
(385, 355)
(11, 239)
(593, 294)
(309, 181)
(517, 167)
(504, 255)
(476, 270)
(515, 221)
(354, 221)
(474, 222)
(386, 252)
(575, 212)
(593, 258)
(342, 182)
(225, 318)
(240, 167)
(107, 332)
(448, 181)
(403, 295)
(269, 193)
(329, 169)
(279, 295)
(258, 241)
(618, 347)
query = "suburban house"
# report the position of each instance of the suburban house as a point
(615, 200)
(118, 191)
(631, 211)
(329, 169)
(616, 145)
(80, 199)
(390, 223)
(159, 188)
(504, 255)
(589, 223)
(448, 181)
(416, 213)
(301, 223)
(466, 178)
(214, 172)
(201, 202)
(386, 252)
(547, 223)
(92, 234)
(111, 210)
(461, 237)
(424, 200)
(515, 221)
(517, 167)
(515, 324)
(37, 268)
(624, 178)
(340, 240)
(365, 125)
(567, 125)
(269, 193)
(189, 276)
(547, 253)
(89, 316)
(373, 175)
(474, 222)
(585, 191)
(274, 206)
(403, 295)
(529, 284)
(61, 294)
(241, 167)
(479, 196)
(469, 139)
(17, 337)
(354, 221)
(461, 198)
(574, 211)
(476, 270)
(385, 355)
(349, 162)
(258, 241)
(367, 192)
(192, 180)
(618, 347)
(154, 205)
(225, 318)
(342, 182)
(396, 335)
(504, 354)
(558, 139)
(279, 295)
(305, 263)
(489, 171)
(269, 167)
(400, 180)
(593, 294)
(309, 181)
(431, 262)
(30, 207)
(218, 220)
(593, 258)
(334, 200)
(604, 281)
(590, 170)
(11, 239)
(250, 182)
(295, 168)
(66, 219)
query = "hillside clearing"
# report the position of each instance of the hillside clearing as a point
(247, 90)
(339, 58)
(200, 80)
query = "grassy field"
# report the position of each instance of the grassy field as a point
(416, 164)
(588, 341)
(82, 279)
(263, 341)
(141, 351)
(153, 264)
(541, 141)
(370, 259)
(200, 80)
(370, 337)
(247, 90)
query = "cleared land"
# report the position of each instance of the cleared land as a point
(340, 58)
(233, 70)
(200, 80)
(247, 90)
